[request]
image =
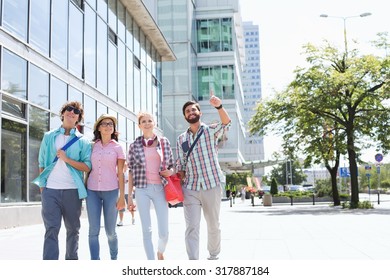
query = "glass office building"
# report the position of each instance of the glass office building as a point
(106, 54)
(207, 39)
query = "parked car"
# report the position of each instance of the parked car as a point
(309, 188)
(266, 189)
(294, 188)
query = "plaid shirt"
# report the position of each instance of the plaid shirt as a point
(202, 168)
(136, 160)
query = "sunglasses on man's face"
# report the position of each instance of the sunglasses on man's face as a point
(75, 110)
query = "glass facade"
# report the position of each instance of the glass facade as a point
(206, 38)
(91, 51)
(220, 79)
(215, 35)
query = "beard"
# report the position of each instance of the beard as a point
(193, 120)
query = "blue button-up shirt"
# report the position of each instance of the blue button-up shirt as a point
(79, 151)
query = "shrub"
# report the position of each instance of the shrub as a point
(361, 205)
(274, 187)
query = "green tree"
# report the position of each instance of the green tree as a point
(237, 179)
(282, 172)
(335, 104)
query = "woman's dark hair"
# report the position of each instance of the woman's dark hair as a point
(76, 105)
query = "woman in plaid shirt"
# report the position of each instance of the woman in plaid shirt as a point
(148, 167)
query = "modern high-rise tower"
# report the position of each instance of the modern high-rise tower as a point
(251, 83)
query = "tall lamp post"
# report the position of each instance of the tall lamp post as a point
(345, 27)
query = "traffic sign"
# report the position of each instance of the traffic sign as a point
(378, 157)
(344, 172)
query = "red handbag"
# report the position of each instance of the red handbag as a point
(173, 190)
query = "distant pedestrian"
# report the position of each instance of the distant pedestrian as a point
(243, 194)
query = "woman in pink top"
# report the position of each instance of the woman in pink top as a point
(104, 183)
(148, 167)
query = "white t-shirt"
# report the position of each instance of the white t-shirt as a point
(60, 177)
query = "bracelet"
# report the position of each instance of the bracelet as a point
(219, 107)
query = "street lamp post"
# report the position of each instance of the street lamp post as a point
(345, 26)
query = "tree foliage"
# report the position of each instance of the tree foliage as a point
(237, 179)
(338, 104)
(281, 173)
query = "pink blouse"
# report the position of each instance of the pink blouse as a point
(103, 176)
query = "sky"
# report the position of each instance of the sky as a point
(286, 25)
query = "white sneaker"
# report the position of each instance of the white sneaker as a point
(120, 224)
(212, 258)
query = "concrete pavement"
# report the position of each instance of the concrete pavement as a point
(278, 232)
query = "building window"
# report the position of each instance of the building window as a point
(40, 25)
(38, 125)
(121, 73)
(59, 34)
(13, 161)
(129, 81)
(15, 17)
(112, 15)
(14, 74)
(112, 36)
(220, 79)
(102, 48)
(214, 35)
(112, 71)
(58, 94)
(137, 62)
(38, 89)
(75, 41)
(90, 107)
(90, 46)
(102, 9)
(79, 3)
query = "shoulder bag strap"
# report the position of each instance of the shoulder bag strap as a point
(193, 144)
(67, 145)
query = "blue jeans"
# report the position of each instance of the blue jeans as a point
(58, 204)
(96, 200)
(144, 196)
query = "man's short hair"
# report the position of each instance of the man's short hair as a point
(188, 103)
